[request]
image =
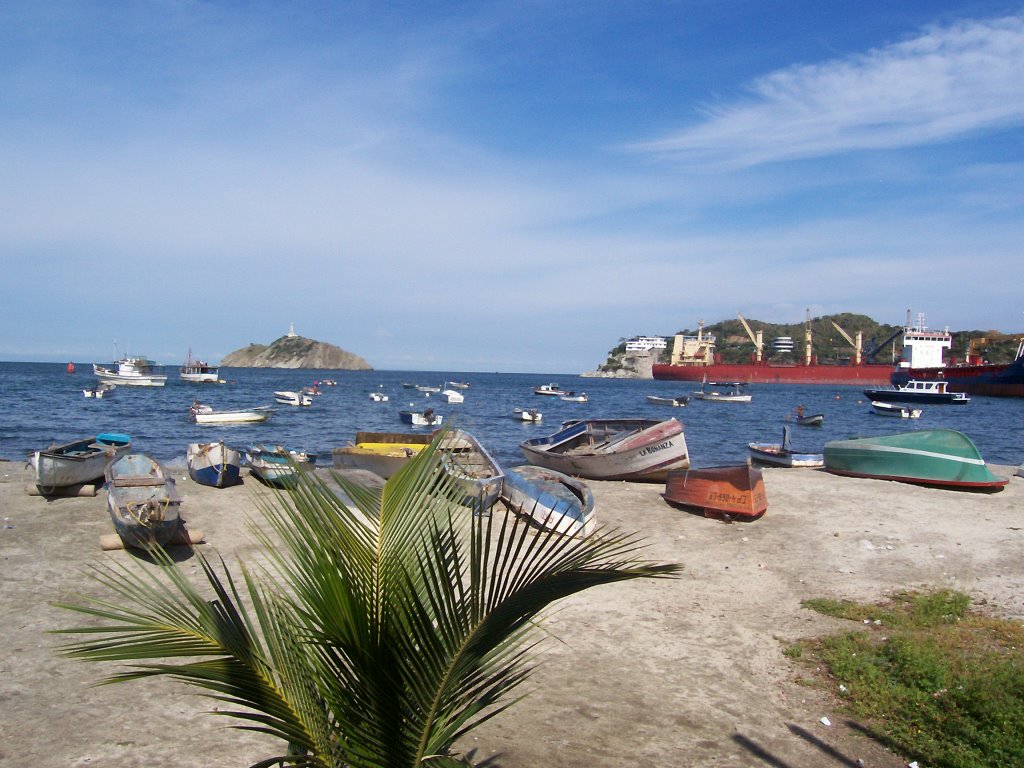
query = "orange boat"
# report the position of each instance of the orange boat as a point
(727, 493)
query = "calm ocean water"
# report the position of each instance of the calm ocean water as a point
(44, 405)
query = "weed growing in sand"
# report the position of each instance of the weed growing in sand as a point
(936, 681)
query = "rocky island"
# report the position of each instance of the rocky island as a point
(294, 351)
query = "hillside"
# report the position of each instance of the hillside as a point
(295, 352)
(828, 344)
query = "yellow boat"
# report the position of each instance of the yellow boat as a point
(384, 453)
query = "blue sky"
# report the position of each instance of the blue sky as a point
(503, 186)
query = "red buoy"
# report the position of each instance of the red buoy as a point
(71, 367)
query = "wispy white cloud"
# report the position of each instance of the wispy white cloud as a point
(943, 84)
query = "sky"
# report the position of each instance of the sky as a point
(500, 186)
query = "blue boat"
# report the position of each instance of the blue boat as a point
(214, 464)
(142, 500)
(550, 500)
(278, 466)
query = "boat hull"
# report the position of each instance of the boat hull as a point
(774, 454)
(942, 457)
(278, 467)
(383, 453)
(470, 465)
(550, 500)
(612, 449)
(986, 380)
(735, 491)
(895, 411)
(214, 464)
(753, 373)
(82, 461)
(142, 500)
(252, 416)
(418, 419)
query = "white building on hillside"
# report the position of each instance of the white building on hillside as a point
(646, 343)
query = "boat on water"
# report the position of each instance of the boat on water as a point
(287, 397)
(730, 493)
(199, 371)
(723, 392)
(803, 419)
(459, 384)
(550, 500)
(895, 410)
(574, 397)
(553, 390)
(200, 413)
(782, 454)
(694, 359)
(278, 465)
(612, 449)
(675, 402)
(935, 392)
(100, 391)
(130, 372)
(427, 389)
(922, 361)
(78, 462)
(452, 396)
(527, 414)
(378, 397)
(942, 457)
(471, 466)
(142, 500)
(424, 418)
(214, 464)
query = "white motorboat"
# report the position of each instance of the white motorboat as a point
(130, 372)
(293, 398)
(199, 371)
(199, 413)
(527, 414)
(894, 410)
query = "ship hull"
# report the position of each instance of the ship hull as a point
(776, 374)
(986, 380)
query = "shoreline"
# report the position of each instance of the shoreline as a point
(639, 673)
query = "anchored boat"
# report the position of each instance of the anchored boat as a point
(721, 492)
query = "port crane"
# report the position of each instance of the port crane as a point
(757, 339)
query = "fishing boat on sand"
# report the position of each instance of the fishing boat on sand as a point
(612, 449)
(472, 467)
(550, 500)
(76, 463)
(727, 493)
(383, 453)
(942, 457)
(142, 500)
(277, 465)
(782, 454)
(214, 464)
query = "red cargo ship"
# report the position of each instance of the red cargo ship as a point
(694, 359)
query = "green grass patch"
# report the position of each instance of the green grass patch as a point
(943, 684)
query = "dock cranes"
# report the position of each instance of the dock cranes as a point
(757, 339)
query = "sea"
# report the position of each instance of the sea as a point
(44, 406)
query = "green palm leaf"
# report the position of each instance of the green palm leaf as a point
(377, 634)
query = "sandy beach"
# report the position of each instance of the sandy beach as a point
(677, 672)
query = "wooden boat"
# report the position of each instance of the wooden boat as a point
(130, 372)
(572, 397)
(675, 402)
(76, 463)
(527, 414)
(918, 391)
(466, 461)
(142, 500)
(550, 500)
(288, 397)
(612, 449)
(898, 411)
(425, 418)
(733, 493)
(100, 391)
(199, 413)
(723, 392)
(942, 457)
(382, 453)
(214, 464)
(782, 454)
(278, 465)
(549, 389)
(199, 371)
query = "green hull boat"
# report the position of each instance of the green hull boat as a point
(930, 457)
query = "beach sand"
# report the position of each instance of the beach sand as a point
(682, 672)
